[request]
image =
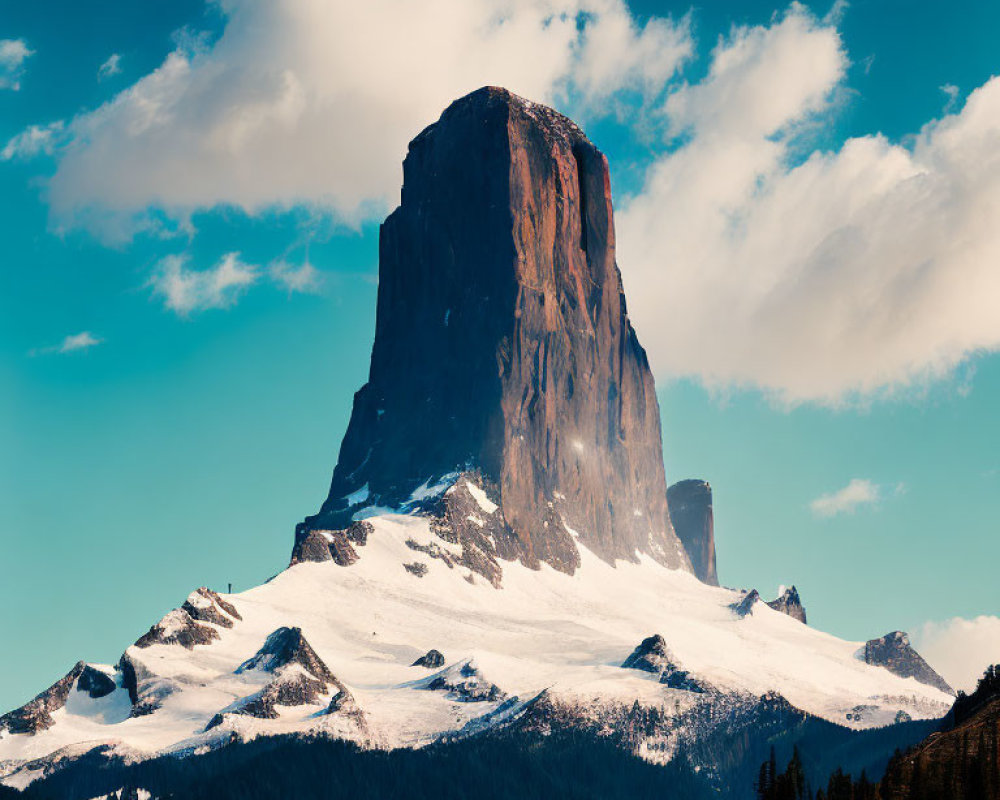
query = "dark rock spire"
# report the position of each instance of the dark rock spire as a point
(894, 652)
(503, 347)
(690, 503)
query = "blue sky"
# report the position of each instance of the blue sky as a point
(189, 272)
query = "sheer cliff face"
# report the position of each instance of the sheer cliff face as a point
(503, 346)
(690, 503)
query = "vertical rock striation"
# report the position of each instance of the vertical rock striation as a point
(503, 346)
(690, 503)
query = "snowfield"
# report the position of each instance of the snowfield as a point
(543, 630)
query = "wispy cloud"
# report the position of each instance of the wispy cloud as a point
(187, 290)
(110, 68)
(960, 649)
(857, 493)
(13, 54)
(304, 278)
(33, 140)
(951, 91)
(70, 344)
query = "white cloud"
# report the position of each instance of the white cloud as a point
(186, 290)
(857, 493)
(33, 140)
(110, 68)
(321, 99)
(78, 341)
(70, 344)
(13, 54)
(960, 649)
(304, 278)
(750, 259)
(835, 277)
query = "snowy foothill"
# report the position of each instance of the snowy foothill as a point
(541, 631)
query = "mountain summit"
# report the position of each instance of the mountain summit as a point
(509, 425)
(503, 347)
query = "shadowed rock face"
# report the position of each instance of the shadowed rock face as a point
(690, 504)
(791, 604)
(337, 545)
(503, 346)
(287, 646)
(653, 655)
(300, 677)
(893, 651)
(95, 683)
(745, 605)
(36, 715)
(432, 659)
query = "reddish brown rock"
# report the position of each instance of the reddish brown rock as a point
(36, 714)
(178, 627)
(336, 546)
(207, 606)
(503, 345)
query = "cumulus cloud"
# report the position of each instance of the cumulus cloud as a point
(823, 276)
(960, 649)
(304, 278)
(13, 54)
(306, 101)
(33, 140)
(70, 344)
(110, 68)
(857, 493)
(750, 258)
(185, 290)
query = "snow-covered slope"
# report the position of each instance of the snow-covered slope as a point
(349, 672)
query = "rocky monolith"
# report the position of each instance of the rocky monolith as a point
(503, 348)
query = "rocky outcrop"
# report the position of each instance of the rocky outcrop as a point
(207, 606)
(503, 346)
(291, 688)
(146, 690)
(36, 714)
(187, 626)
(95, 683)
(336, 545)
(416, 568)
(283, 647)
(789, 602)
(690, 504)
(300, 677)
(745, 604)
(464, 683)
(652, 655)
(894, 652)
(466, 516)
(432, 659)
(178, 627)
